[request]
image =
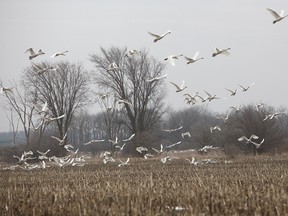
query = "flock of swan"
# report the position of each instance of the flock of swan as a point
(74, 160)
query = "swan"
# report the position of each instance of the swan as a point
(203, 99)
(245, 88)
(124, 101)
(160, 151)
(194, 59)
(237, 109)
(159, 37)
(61, 141)
(172, 130)
(220, 51)
(278, 17)
(171, 58)
(192, 161)
(141, 149)
(33, 54)
(186, 134)
(114, 142)
(49, 119)
(191, 98)
(58, 54)
(273, 115)
(121, 148)
(212, 129)
(112, 67)
(181, 88)
(258, 145)
(124, 163)
(172, 145)
(233, 92)
(157, 78)
(210, 97)
(258, 106)
(93, 141)
(225, 118)
(130, 138)
(42, 155)
(248, 140)
(132, 52)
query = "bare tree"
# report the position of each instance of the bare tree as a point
(127, 78)
(64, 90)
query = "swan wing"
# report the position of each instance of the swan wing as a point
(154, 35)
(177, 87)
(196, 55)
(274, 13)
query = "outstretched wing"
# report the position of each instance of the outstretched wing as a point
(274, 13)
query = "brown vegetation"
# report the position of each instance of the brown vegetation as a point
(255, 187)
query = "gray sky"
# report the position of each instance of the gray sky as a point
(258, 48)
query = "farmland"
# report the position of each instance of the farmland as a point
(250, 186)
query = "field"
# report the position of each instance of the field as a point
(249, 186)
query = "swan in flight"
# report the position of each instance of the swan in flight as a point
(41, 70)
(157, 78)
(210, 97)
(172, 130)
(159, 37)
(258, 145)
(192, 161)
(278, 17)
(273, 115)
(205, 149)
(245, 88)
(181, 88)
(93, 141)
(160, 151)
(186, 134)
(141, 149)
(191, 99)
(124, 101)
(258, 106)
(61, 141)
(33, 54)
(130, 53)
(58, 54)
(120, 148)
(112, 67)
(114, 142)
(225, 118)
(220, 51)
(233, 92)
(172, 58)
(248, 140)
(212, 129)
(194, 59)
(124, 163)
(236, 109)
(130, 138)
(172, 145)
(42, 155)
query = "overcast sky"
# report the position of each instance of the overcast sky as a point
(259, 49)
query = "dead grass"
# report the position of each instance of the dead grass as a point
(254, 186)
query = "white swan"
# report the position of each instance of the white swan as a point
(233, 92)
(172, 145)
(194, 59)
(212, 129)
(58, 54)
(278, 17)
(33, 54)
(210, 97)
(130, 138)
(130, 53)
(248, 140)
(172, 130)
(112, 67)
(245, 88)
(159, 37)
(141, 149)
(273, 115)
(171, 58)
(181, 88)
(61, 141)
(220, 51)
(93, 141)
(186, 134)
(124, 163)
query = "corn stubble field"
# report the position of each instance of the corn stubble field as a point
(249, 186)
